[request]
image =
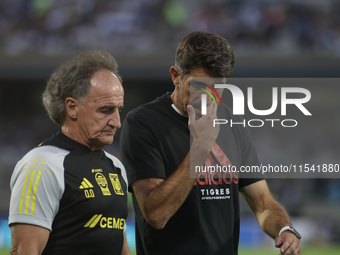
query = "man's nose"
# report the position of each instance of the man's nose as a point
(114, 120)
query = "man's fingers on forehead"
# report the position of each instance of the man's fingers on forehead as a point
(211, 107)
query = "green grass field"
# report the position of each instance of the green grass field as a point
(310, 250)
(4, 252)
(334, 250)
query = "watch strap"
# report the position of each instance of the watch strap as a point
(291, 229)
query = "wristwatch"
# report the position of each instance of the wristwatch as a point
(291, 229)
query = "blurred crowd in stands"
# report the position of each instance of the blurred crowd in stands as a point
(144, 26)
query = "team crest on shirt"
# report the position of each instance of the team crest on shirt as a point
(103, 184)
(117, 187)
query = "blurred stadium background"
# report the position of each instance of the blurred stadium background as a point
(271, 38)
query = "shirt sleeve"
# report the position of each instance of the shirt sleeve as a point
(37, 185)
(140, 153)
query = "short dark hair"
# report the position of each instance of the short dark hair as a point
(73, 79)
(206, 50)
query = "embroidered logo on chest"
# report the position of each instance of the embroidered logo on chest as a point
(117, 187)
(87, 187)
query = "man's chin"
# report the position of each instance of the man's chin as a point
(106, 140)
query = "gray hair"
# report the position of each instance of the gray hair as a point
(72, 79)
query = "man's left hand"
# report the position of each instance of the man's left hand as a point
(288, 243)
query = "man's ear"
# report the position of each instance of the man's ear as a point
(71, 107)
(174, 75)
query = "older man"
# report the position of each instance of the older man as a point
(68, 195)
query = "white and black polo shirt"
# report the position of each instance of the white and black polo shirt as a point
(78, 194)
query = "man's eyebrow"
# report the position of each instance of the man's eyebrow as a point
(106, 107)
(110, 107)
